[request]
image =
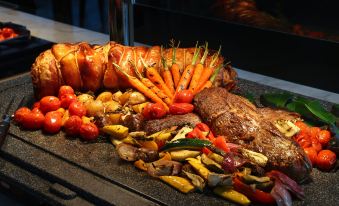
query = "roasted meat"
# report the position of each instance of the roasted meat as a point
(157, 125)
(240, 122)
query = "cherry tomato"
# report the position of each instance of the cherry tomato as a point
(324, 137)
(20, 113)
(89, 131)
(53, 121)
(302, 126)
(326, 160)
(154, 111)
(65, 90)
(184, 96)
(33, 120)
(72, 125)
(315, 144)
(312, 155)
(181, 108)
(67, 99)
(49, 103)
(77, 108)
(314, 131)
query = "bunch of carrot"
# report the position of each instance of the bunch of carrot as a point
(163, 87)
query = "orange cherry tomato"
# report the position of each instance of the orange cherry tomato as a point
(72, 125)
(20, 113)
(312, 155)
(181, 108)
(326, 160)
(67, 99)
(184, 96)
(89, 131)
(315, 144)
(53, 122)
(49, 103)
(324, 137)
(65, 90)
(77, 108)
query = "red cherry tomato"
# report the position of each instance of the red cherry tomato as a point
(326, 160)
(180, 108)
(312, 155)
(315, 144)
(67, 99)
(53, 121)
(20, 113)
(89, 131)
(65, 90)
(49, 103)
(324, 137)
(77, 108)
(184, 96)
(33, 120)
(302, 126)
(154, 111)
(314, 131)
(72, 125)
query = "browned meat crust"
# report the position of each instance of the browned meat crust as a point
(153, 126)
(242, 123)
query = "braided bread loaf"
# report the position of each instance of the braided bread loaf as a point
(89, 68)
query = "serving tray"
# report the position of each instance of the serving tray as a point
(63, 171)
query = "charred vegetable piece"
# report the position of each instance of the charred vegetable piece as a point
(130, 153)
(164, 168)
(229, 194)
(286, 127)
(217, 158)
(196, 180)
(253, 194)
(199, 167)
(116, 131)
(250, 179)
(254, 157)
(139, 107)
(194, 144)
(182, 133)
(211, 164)
(219, 180)
(140, 164)
(180, 183)
(181, 155)
(151, 145)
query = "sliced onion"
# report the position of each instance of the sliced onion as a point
(280, 194)
(232, 162)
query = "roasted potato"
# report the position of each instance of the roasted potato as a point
(105, 96)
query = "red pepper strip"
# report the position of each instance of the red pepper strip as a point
(206, 151)
(196, 133)
(220, 143)
(253, 194)
(191, 135)
(204, 128)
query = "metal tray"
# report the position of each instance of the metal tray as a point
(63, 171)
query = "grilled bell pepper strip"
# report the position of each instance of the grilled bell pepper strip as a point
(196, 133)
(253, 194)
(204, 128)
(220, 143)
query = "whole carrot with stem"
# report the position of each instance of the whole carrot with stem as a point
(209, 83)
(207, 72)
(137, 84)
(175, 70)
(188, 72)
(198, 69)
(151, 86)
(153, 75)
(167, 74)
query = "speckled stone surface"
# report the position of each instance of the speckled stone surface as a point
(91, 167)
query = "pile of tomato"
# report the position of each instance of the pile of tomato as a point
(182, 104)
(7, 33)
(49, 114)
(313, 140)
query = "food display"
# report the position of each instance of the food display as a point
(172, 114)
(7, 33)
